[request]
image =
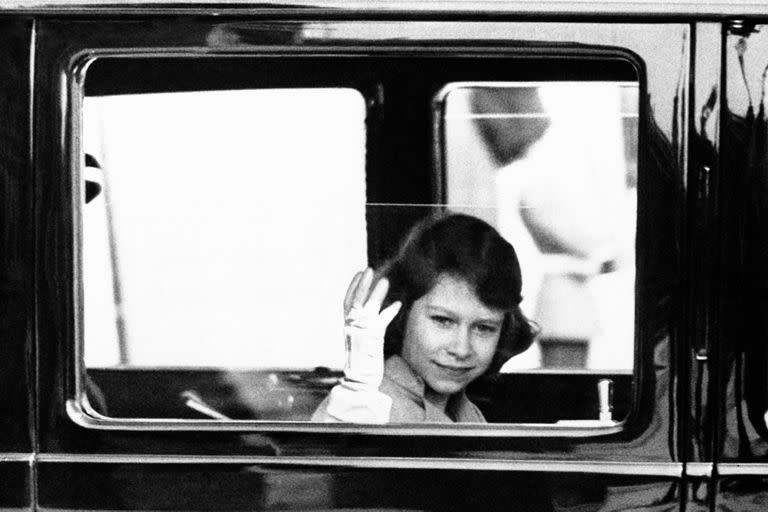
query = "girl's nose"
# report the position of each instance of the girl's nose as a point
(461, 344)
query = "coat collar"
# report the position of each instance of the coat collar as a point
(460, 408)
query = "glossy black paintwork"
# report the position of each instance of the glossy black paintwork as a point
(743, 381)
(741, 378)
(698, 495)
(16, 488)
(705, 217)
(742, 493)
(16, 266)
(254, 487)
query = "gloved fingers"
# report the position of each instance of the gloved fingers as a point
(363, 287)
(350, 295)
(389, 313)
(379, 293)
(357, 293)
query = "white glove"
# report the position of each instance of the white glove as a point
(357, 399)
(364, 328)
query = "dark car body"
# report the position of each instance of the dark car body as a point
(693, 435)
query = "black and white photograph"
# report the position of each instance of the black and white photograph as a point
(383, 255)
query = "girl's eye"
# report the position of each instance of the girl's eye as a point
(486, 329)
(442, 321)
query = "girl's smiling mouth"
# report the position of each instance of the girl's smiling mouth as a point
(453, 370)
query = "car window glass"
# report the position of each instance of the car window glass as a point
(553, 166)
(229, 225)
(221, 228)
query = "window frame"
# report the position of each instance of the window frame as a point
(77, 406)
(441, 149)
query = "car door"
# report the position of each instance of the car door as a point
(738, 410)
(120, 435)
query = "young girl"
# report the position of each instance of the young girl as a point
(451, 314)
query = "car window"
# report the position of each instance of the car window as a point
(229, 225)
(553, 166)
(221, 227)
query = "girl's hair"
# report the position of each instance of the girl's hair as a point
(468, 248)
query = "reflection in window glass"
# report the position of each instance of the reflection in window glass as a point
(553, 166)
(229, 225)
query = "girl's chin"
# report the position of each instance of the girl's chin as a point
(446, 387)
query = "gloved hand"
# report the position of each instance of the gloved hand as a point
(364, 327)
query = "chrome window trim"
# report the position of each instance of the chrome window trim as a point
(17, 457)
(667, 469)
(699, 469)
(591, 8)
(516, 371)
(79, 409)
(742, 468)
(82, 414)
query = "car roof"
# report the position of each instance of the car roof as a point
(675, 8)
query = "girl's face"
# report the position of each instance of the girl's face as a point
(450, 335)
